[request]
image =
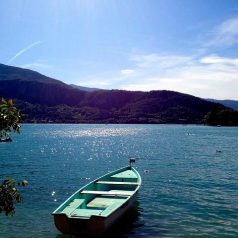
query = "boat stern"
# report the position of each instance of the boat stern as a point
(80, 226)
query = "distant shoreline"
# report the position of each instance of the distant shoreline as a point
(108, 124)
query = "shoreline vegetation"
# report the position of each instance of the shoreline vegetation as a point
(222, 117)
(64, 114)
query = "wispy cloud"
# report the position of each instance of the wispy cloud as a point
(215, 59)
(19, 53)
(161, 61)
(127, 72)
(225, 34)
(36, 65)
(209, 76)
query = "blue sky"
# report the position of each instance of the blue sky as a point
(189, 46)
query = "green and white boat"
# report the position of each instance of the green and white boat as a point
(99, 204)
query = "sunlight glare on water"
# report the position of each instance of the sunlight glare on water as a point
(96, 132)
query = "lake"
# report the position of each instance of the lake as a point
(189, 173)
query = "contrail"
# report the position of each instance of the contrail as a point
(24, 50)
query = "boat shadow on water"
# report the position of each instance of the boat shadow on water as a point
(123, 228)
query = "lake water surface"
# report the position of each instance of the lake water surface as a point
(189, 173)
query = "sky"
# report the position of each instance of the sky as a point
(189, 46)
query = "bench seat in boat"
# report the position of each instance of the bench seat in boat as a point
(111, 192)
(112, 208)
(117, 183)
(103, 202)
(72, 206)
(86, 212)
(128, 174)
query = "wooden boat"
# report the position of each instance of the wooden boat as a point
(95, 207)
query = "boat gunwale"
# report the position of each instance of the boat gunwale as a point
(55, 212)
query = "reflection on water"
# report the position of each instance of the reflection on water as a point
(122, 228)
(106, 131)
(127, 224)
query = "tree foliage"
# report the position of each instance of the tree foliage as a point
(10, 118)
(223, 117)
(9, 195)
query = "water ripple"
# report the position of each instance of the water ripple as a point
(189, 188)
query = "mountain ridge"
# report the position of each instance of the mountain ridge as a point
(233, 104)
(44, 99)
(8, 72)
(85, 88)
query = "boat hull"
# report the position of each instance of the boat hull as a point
(93, 226)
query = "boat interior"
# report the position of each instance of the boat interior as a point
(101, 197)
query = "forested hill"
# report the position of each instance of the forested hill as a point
(43, 99)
